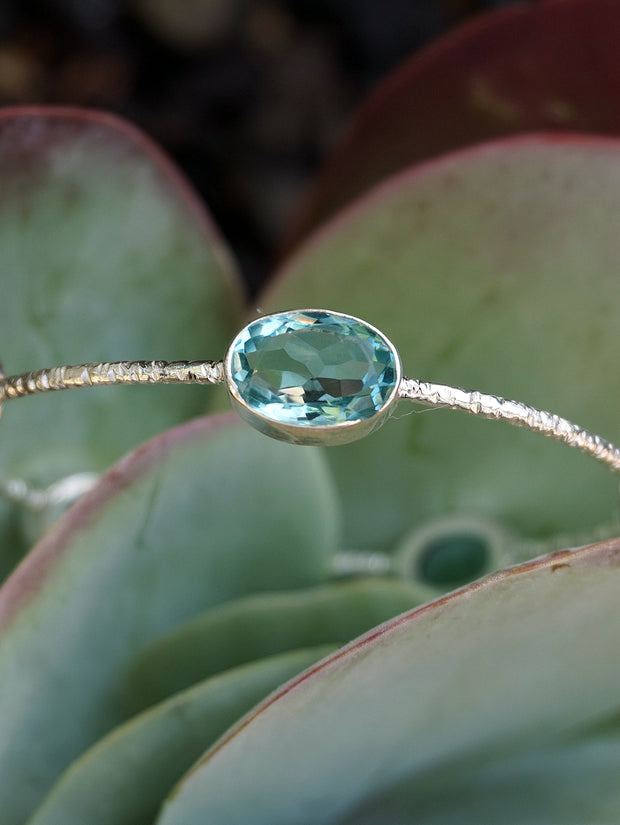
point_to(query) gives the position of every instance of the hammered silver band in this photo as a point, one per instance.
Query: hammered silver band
(212, 372)
(515, 413)
(112, 372)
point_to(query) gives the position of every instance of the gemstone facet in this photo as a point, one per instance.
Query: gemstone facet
(312, 376)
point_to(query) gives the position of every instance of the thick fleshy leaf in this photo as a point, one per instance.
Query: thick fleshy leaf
(202, 514)
(507, 666)
(529, 67)
(12, 542)
(106, 254)
(123, 779)
(572, 783)
(493, 269)
(263, 625)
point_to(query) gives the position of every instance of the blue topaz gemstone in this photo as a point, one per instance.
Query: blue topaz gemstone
(312, 376)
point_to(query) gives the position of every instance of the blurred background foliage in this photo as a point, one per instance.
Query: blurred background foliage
(246, 95)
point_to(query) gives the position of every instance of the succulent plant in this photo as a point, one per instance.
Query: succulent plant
(177, 648)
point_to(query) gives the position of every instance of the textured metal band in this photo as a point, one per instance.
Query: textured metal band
(212, 372)
(114, 372)
(514, 412)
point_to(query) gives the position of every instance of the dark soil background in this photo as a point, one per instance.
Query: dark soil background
(246, 95)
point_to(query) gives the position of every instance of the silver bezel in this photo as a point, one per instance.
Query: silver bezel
(327, 435)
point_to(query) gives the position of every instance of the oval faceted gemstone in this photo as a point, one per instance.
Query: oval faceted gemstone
(313, 368)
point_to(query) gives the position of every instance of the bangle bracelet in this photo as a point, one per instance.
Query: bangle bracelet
(312, 376)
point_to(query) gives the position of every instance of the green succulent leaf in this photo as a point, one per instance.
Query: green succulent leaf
(105, 255)
(123, 778)
(204, 513)
(571, 783)
(262, 625)
(493, 269)
(12, 540)
(523, 68)
(504, 669)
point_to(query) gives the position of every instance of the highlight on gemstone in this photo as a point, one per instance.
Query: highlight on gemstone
(312, 369)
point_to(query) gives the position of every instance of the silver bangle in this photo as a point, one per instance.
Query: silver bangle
(312, 376)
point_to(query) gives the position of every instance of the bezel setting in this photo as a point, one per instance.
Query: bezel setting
(311, 433)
